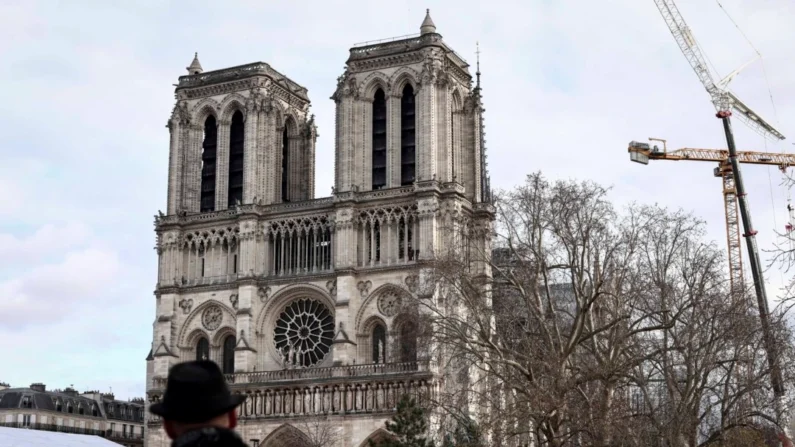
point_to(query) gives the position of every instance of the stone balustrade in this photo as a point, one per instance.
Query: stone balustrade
(339, 390)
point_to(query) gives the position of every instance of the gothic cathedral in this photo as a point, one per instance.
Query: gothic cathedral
(303, 302)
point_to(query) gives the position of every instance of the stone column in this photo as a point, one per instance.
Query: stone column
(222, 165)
(245, 354)
(174, 168)
(250, 154)
(426, 131)
(393, 140)
(164, 345)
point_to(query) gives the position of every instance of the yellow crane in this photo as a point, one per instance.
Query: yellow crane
(643, 152)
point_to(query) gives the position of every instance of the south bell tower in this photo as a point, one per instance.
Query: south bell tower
(306, 303)
(407, 113)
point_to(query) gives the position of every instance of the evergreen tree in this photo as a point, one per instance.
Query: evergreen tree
(466, 434)
(408, 426)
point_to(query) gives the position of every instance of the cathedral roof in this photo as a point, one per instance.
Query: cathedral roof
(427, 25)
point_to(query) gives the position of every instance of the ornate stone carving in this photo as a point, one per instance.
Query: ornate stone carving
(412, 281)
(264, 293)
(303, 333)
(186, 305)
(364, 287)
(234, 300)
(331, 286)
(211, 318)
(389, 304)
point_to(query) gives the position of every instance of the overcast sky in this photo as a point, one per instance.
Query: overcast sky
(87, 87)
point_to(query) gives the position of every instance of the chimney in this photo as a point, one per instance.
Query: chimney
(40, 387)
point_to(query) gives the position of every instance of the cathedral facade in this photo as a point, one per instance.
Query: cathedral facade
(304, 302)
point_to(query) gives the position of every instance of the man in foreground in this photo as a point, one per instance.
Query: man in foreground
(197, 408)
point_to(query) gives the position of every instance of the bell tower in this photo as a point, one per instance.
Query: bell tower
(241, 135)
(407, 113)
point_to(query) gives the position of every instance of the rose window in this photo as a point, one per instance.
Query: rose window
(304, 332)
(211, 318)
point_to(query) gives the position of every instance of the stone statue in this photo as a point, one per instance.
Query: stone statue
(291, 356)
(380, 351)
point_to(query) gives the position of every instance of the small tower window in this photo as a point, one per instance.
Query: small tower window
(379, 344)
(379, 140)
(203, 349)
(408, 141)
(229, 355)
(285, 165)
(236, 140)
(209, 147)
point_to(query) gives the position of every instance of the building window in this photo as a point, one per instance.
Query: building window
(80, 409)
(94, 410)
(69, 408)
(26, 420)
(124, 430)
(229, 355)
(209, 150)
(408, 342)
(58, 406)
(26, 402)
(236, 140)
(203, 349)
(285, 165)
(379, 140)
(303, 333)
(408, 141)
(379, 344)
(112, 428)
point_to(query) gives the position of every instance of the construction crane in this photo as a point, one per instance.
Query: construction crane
(643, 152)
(724, 102)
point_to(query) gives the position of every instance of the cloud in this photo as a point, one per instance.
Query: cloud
(53, 292)
(48, 239)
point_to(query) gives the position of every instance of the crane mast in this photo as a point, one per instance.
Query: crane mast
(724, 102)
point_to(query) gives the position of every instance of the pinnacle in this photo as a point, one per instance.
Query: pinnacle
(427, 26)
(195, 67)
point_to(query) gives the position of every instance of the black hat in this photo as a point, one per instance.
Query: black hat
(196, 392)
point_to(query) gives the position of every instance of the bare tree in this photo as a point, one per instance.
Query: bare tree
(315, 432)
(592, 327)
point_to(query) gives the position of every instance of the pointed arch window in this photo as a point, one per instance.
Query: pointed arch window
(379, 343)
(229, 355)
(203, 349)
(379, 140)
(285, 165)
(236, 140)
(408, 141)
(408, 342)
(209, 150)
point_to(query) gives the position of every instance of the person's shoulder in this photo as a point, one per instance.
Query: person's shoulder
(209, 437)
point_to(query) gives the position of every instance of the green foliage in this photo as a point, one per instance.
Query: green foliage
(408, 426)
(466, 434)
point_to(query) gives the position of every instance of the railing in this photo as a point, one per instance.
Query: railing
(73, 430)
(375, 369)
(393, 46)
(238, 72)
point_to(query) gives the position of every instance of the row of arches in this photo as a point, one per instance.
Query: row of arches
(237, 138)
(289, 436)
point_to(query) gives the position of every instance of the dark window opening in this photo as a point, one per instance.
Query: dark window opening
(379, 140)
(229, 355)
(285, 165)
(203, 349)
(452, 145)
(310, 252)
(236, 140)
(406, 239)
(372, 242)
(94, 411)
(69, 408)
(408, 342)
(202, 267)
(379, 344)
(81, 410)
(407, 137)
(209, 150)
(58, 407)
(234, 265)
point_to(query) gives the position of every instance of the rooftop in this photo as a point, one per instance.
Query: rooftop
(13, 437)
(200, 78)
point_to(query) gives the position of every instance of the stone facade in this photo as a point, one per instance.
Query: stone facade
(303, 301)
(90, 413)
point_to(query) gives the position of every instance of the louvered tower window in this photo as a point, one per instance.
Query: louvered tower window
(379, 140)
(236, 139)
(285, 165)
(408, 142)
(209, 147)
